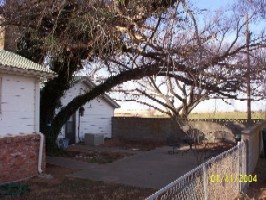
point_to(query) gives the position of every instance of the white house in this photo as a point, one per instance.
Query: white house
(19, 115)
(20, 93)
(97, 117)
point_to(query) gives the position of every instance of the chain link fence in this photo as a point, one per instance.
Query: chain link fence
(221, 177)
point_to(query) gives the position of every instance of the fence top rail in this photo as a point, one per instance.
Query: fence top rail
(201, 166)
(181, 119)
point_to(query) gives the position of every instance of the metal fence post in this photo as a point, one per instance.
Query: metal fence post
(244, 164)
(196, 183)
(240, 165)
(205, 182)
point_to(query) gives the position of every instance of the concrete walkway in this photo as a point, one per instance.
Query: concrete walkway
(149, 169)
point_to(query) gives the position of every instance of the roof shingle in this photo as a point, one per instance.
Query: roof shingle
(16, 61)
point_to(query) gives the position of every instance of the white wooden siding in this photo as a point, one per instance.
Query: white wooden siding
(18, 105)
(0, 93)
(37, 106)
(97, 116)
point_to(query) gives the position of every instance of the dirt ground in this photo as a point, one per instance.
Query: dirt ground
(110, 151)
(257, 190)
(57, 186)
(114, 149)
(143, 145)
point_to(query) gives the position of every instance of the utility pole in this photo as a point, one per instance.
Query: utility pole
(248, 69)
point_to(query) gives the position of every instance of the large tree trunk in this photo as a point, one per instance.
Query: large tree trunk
(50, 100)
(60, 119)
(51, 95)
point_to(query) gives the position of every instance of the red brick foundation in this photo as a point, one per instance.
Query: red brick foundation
(19, 157)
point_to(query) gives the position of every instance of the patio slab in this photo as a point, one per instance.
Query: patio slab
(149, 169)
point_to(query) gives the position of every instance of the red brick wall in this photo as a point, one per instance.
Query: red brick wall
(19, 157)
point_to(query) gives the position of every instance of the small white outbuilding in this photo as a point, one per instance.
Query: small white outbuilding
(20, 93)
(97, 114)
(21, 144)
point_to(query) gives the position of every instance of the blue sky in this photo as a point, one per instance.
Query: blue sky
(219, 105)
(210, 4)
(211, 105)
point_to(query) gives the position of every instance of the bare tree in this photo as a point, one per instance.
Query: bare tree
(251, 10)
(166, 95)
(197, 48)
(132, 40)
(69, 32)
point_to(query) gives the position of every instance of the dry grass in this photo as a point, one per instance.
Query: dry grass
(203, 152)
(100, 157)
(127, 144)
(227, 115)
(257, 190)
(211, 115)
